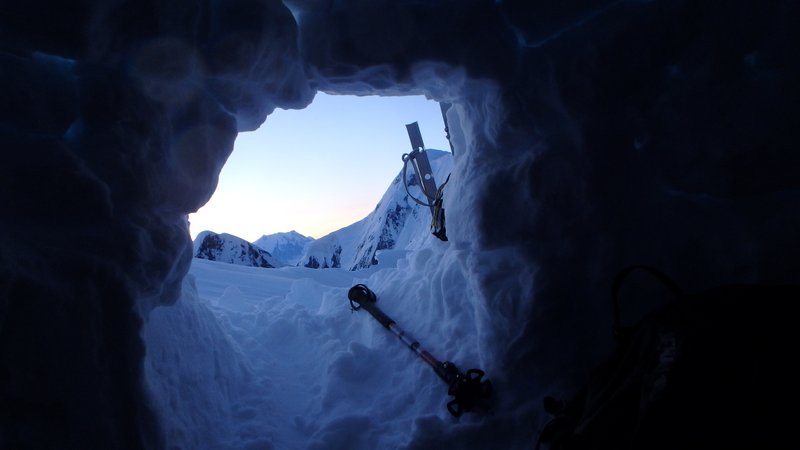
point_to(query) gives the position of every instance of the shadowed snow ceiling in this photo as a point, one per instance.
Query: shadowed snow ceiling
(587, 138)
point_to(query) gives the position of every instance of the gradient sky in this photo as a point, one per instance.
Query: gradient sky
(318, 169)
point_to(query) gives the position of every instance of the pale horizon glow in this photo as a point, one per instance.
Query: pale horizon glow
(318, 169)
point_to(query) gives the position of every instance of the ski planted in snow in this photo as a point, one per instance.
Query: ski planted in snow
(468, 389)
(422, 166)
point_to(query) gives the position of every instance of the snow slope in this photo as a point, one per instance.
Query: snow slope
(286, 247)
(397, 222)
(276, 359)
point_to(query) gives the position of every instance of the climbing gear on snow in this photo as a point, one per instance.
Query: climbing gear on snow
(437, 221)
(469, 390)
(419, 159)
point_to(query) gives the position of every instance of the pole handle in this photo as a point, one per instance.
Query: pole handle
(366, 299)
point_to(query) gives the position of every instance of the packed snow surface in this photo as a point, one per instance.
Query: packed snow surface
(274, 358)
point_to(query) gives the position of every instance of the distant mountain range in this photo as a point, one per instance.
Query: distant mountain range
(396, 223)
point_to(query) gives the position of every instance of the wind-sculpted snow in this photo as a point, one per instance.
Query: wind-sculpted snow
(587, 137)
(192, 362)
(116, 120)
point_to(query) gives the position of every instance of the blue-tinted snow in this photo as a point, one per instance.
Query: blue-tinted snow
(284, 363)
(274, 358)
(656, 132)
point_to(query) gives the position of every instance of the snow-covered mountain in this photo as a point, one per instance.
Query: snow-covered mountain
(397, 222)
(231, 249)
(286, 247)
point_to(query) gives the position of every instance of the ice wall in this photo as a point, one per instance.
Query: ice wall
(588, 138)
(116, 119)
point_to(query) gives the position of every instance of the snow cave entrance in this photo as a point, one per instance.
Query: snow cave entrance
(276, 358)
(318, 169)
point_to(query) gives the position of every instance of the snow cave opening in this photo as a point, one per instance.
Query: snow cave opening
(587, 139)
(280, 347)
(318, 169)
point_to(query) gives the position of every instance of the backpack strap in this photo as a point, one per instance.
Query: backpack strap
(620, 278)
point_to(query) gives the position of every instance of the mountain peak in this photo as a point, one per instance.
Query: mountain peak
(287, 247)
(227, 248)
(397, 222)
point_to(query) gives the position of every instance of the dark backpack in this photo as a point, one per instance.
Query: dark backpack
(708, 370)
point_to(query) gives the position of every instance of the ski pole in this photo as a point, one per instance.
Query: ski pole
(468, 389)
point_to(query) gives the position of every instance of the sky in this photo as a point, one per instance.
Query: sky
(318, 169)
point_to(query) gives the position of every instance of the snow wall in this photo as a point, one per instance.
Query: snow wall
(587, 138)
